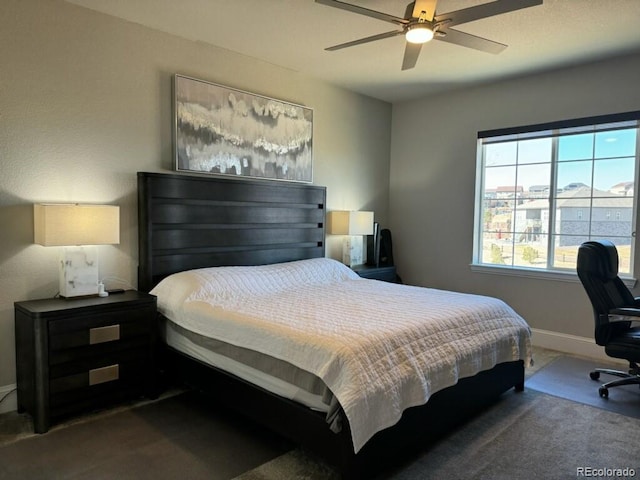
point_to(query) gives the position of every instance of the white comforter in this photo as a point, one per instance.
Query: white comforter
(379, 347)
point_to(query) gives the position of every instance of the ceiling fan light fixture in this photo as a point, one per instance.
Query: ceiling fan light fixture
(419, 33)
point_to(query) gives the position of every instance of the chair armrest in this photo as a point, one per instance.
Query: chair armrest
(629, 311)
(625, 314)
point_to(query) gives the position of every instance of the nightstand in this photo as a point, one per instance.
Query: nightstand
(80, 354)
(386, 274)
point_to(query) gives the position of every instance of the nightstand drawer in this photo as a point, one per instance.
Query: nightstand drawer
(97, 329)
(111, 370)
(76, 393)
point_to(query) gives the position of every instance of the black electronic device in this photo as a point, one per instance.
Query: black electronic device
(386, 248)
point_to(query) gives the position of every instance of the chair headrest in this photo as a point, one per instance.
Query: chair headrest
(598, 258)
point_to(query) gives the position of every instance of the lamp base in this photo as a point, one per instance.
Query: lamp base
(78, 273)
(352, 250)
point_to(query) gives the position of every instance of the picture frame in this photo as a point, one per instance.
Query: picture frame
(220, 130)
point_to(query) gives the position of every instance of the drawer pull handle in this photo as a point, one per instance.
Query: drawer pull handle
(104, 374)
(104, 334)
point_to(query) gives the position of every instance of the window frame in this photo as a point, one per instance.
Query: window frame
(547, 130)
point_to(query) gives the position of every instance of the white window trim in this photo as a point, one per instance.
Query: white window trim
(553, 275)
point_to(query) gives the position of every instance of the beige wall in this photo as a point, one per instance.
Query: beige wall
(85, 103)
(433, 169)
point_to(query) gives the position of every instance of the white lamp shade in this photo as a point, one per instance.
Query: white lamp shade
(72, 224)
(350, 223)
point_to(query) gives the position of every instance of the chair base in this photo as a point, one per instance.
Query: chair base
(632, 377)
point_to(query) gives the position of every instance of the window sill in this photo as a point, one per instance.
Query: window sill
(557, 276)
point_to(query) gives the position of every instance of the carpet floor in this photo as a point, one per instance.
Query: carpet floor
(525, 436)
(531, 436)
(183, 436)
(528, 435)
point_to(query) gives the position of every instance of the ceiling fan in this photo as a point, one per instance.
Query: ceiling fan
(421, 23)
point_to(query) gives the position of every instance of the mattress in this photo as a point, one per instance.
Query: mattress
(380, 348)
(272, 374)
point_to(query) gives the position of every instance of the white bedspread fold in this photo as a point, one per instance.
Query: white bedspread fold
(381, 348)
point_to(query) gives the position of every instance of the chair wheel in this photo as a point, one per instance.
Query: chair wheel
(603, 392)
(594, 375)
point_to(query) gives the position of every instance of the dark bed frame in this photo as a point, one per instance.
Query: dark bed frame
(188, 222)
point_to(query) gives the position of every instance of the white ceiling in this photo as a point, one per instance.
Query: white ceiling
(294, 33)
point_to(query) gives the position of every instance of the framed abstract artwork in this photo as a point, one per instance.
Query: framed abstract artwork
(223, 131)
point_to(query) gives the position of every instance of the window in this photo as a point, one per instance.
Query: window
(545, 189)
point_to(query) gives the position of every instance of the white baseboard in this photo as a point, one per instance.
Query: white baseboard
(572, 344)
(11, 402)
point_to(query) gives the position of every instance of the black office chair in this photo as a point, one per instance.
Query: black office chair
(614, 309)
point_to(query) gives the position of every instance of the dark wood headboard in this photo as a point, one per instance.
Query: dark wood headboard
(188, 222)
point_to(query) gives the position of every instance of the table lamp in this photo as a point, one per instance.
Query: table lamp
(354, 225)
(78, 229)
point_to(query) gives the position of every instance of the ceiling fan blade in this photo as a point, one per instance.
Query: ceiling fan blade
(427, 6)
(411, 53)
(485, 10)
(471, 41)
(372, 38)
(363, 11)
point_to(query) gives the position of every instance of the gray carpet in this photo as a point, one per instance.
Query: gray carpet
(525, 436)
(568, 377)
(532, 435)
(182, 437)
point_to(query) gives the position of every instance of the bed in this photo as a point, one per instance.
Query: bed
(299, 342)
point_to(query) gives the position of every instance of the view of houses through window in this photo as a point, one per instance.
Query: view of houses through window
(543, 193)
